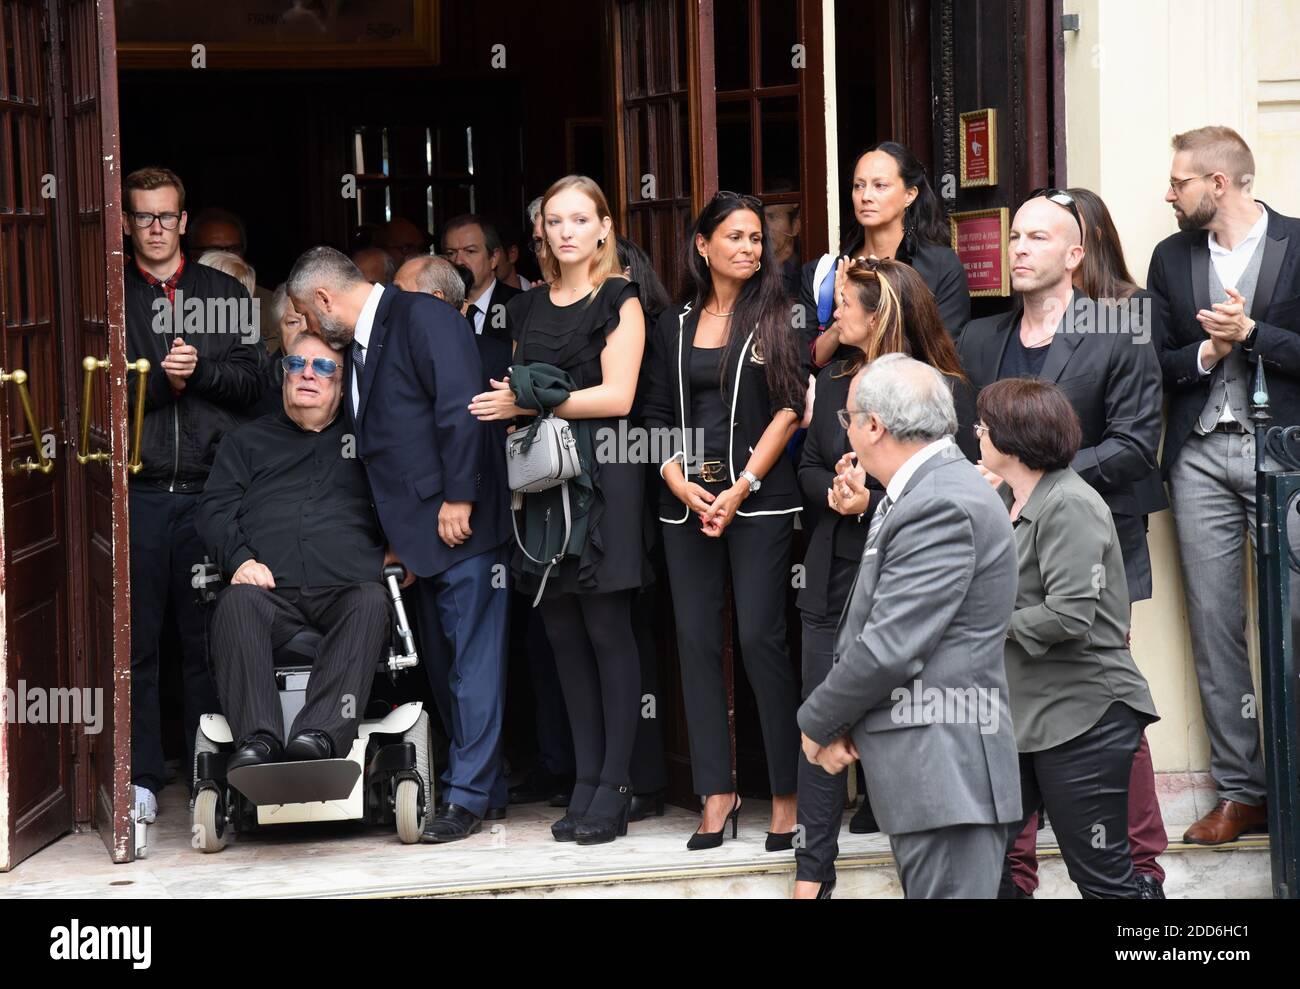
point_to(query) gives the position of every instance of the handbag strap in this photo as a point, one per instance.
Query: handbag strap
(564, 549)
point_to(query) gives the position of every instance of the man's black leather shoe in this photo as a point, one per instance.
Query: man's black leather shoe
(309, 744)
(646, 805)
(256, 750)
(863, 821)
(1151, 887)
(495, 814)
(452, 823)
(539, 785)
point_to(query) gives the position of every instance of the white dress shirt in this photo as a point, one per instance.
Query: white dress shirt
(365, 323)
(482, 304)
(1230, 265)
(894, 489)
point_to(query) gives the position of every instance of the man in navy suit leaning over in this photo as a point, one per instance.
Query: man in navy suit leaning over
(438, 478)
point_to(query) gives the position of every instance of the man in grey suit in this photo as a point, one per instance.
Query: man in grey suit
(918, 689)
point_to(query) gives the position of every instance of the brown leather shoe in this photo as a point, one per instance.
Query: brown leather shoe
(1226, 822)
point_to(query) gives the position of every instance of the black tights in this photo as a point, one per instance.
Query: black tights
(600, 675)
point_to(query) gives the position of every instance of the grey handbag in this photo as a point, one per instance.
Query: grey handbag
(550, 458)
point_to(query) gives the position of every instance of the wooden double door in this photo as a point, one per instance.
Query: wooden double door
(64, 620)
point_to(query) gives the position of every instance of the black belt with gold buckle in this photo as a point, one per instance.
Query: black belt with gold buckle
(711, 471)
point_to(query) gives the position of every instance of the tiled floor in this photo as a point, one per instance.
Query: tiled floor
(517, 857)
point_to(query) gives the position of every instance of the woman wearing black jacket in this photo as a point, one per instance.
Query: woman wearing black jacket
(885, 307)
(726, 376)
(897, 216)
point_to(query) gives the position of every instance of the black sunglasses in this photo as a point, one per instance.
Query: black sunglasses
(294, 364)
(753, 202)
(1062, 199)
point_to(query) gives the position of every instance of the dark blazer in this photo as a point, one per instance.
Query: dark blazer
(502, 294)
(1112, 380)
(824, 443)
(1179, 281)
(416, 437)
(668, 400)
(938, 266)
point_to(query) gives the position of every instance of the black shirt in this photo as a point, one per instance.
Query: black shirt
(709, 412)
(1019, 361)
(294, 500)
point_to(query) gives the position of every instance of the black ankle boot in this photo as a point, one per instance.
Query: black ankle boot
(583, 794)
(597, 829)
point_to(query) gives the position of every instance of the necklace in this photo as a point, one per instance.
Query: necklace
(720, 315)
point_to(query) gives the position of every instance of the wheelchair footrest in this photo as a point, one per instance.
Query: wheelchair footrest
(296, 782)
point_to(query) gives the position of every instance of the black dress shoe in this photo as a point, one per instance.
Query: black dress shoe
(564, 828)
(452, 823)
(495, 814)
(863, 821)
(255, 750)
(539, 785)
(1151, 887)
(562, 797)
(309, 744)
(646, 805)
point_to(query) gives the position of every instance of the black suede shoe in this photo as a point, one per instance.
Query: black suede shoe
(863, 821)
(255, 750)
(599, 828)
(309, 744)
(1151, 887)
(452, 823)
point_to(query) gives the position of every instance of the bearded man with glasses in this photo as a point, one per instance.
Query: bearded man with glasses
(196, 327)
(287, 515)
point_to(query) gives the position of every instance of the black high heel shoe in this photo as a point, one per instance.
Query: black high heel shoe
(597, 829)
(566, 827)
(779, 841)
(713, 839)
(825, 890)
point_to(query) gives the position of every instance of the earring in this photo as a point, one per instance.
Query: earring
(758, 267)
(601, 242)
(706, 260)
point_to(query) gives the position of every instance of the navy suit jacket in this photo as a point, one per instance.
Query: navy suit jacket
(416, 437)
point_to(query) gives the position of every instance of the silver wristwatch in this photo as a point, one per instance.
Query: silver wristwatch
(754, 482)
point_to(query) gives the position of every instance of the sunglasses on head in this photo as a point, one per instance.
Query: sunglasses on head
(752, 202)
(323, 366)
(1062, 199)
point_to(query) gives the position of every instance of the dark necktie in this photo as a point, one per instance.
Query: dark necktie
(472, 315)
(358, 357)
(878, 519)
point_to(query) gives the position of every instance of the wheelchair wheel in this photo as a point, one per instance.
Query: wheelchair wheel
(412, 802)
(201, 744)
(209, 822)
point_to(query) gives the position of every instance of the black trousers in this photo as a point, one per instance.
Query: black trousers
(554, 737)
(821, 795)
(600, 674)
(251, 622)
(757, 551)
(1083, 786)
(164, 548)
(648, 770)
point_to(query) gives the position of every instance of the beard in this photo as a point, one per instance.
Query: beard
(335, 332)
(1199, 218)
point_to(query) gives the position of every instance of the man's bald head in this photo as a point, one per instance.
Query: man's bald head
(401, 238)
(376, 265)
(432, 276)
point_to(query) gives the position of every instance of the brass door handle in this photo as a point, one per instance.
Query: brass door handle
(42, 463)
(90, 365)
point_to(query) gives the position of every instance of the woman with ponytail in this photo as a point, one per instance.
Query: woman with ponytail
(896, 215)
(727, 381)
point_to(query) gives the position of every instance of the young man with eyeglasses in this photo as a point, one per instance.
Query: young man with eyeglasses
(191, 323)
(287, 515)
(1228, 290)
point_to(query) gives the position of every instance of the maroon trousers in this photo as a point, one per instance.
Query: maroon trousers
(1146, 828)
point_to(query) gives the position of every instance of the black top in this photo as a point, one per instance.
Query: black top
(294, 500)
(708, 408)
(571, 338)
(1019, 361)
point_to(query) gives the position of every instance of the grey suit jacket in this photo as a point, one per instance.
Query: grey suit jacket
(918, 675)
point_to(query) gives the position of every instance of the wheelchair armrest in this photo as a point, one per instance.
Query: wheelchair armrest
(206, 581)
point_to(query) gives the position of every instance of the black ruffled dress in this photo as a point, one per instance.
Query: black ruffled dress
(571, 338)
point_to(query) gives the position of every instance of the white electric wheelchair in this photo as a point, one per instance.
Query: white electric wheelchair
(385, 779)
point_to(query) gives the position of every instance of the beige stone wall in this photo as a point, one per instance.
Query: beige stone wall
(1138, 72)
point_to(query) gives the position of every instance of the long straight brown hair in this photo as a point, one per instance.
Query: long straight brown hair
(907, 317)
(1104, 274)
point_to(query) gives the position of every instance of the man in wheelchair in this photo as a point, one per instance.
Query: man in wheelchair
(287, 515)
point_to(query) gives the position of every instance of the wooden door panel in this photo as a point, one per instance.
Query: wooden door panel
(36, 738)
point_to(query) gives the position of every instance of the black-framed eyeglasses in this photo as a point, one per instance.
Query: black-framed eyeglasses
(1064, 200)
(296, 364)
(144, 221)
(845, 416)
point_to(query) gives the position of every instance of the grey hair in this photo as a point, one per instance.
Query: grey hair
(233, 265)
(322, 266)
(534, 208)
(438, 275)
(279, 303)
(911, 399)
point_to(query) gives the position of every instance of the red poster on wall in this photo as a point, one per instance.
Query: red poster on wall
(980, 240)
(979, 148)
